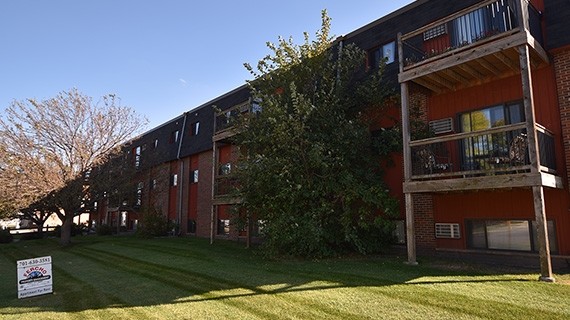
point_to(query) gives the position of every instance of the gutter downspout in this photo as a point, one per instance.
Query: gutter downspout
(181, 172)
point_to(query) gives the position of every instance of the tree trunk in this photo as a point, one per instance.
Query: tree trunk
(40, 225)
(66, 230)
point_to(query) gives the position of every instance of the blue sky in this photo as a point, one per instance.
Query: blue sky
(161, 57)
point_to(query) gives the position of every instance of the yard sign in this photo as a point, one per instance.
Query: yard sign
(34, 277)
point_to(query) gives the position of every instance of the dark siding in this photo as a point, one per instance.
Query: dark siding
(166, 149)
(556, 15)
(381, 32)
(205, 114)
(203, 141)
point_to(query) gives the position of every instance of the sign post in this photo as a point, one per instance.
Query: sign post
(34, 277)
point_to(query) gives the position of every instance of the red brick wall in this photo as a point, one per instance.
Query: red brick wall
(423, 203)
(424, 222)
(562, 72)
(204, 194)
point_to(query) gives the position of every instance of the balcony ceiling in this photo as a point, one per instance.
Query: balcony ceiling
(473, 65)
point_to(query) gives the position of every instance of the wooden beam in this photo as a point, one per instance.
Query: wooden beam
(472, 72)
(465, 135)
(440, 80)
(542, 235)
(533, 149)
(475, 183)
(485, 64)
(455, 76)
(500, 181)
(213, 213)
(221, 200)
(507, 61)
(426, 84)
(222, 135)
(410, 229)
(538, 49)
(406, 137)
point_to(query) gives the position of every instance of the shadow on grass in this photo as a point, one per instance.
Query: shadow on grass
(103, 273)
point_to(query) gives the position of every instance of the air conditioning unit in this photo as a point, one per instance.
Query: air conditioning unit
(447, 230)
(441, 126)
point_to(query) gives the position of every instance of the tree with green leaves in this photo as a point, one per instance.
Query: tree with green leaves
(49, 148)
(309, 168)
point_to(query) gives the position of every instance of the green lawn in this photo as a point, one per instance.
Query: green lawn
(183, 278)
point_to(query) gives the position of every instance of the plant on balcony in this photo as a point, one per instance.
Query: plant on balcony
(310, 171)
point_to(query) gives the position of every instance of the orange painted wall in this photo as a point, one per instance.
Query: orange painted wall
(504, 204)
(173, 193)
(393, 167)
(193, 188)
(225, 154)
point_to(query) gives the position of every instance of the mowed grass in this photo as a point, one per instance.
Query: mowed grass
(187, 278)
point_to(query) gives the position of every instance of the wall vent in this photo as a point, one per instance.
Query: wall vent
(447, 230)
(441, 126)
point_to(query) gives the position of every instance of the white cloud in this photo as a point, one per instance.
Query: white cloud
(183, 82)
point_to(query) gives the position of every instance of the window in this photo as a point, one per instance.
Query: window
(194, 176)
(482, 23)
(400, 231)
(174, 136)
(155, 143)
(191, 226)
(137, 153)
(174, 180)
(477, 150)
(516, 235)
(195, 128)
(223, 227)
(386, 52)
(153, 184)
(225, 169)
(138, 201)
(256, 107)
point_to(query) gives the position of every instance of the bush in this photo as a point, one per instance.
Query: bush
(153, 224)
(104, 230)
(31, 236)
(5, 236)
(75, 230)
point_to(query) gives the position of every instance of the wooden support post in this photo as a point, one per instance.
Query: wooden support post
(533, 149)
(214, 207)
(542, 235)
(410, 232)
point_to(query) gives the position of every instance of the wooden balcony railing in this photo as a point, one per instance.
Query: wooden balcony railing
(501, 150)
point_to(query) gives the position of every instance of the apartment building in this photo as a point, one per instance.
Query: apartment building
(490, 78)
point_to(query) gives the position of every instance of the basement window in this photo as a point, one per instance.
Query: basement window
(515, 235)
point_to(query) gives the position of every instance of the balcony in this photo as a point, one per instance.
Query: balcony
(485, 159)
(473, 46)
(225, 120)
